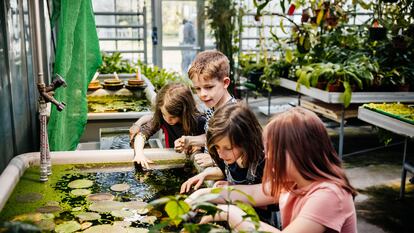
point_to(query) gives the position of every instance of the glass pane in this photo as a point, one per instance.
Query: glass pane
(179, 23)
(172, 60)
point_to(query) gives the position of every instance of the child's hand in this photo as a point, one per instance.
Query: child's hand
(182, 144)
(141, 159)
(203, 160)
(197, 180)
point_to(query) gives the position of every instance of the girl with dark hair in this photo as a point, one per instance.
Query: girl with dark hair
(176, 114)
(234, 142)
(303, 175)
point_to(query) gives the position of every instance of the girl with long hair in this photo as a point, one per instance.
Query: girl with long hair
(302, 174)
(176, 114)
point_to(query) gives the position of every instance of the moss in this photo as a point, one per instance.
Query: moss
(384, 209)
(29, 183)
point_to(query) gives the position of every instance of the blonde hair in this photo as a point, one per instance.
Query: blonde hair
(210, 64)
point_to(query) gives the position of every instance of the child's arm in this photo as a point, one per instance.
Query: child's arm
(210, 173)
(139, 156)
(255, 191)
(185, 142)
(135, 128)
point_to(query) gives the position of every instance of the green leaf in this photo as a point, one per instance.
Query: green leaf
(281, 26)
(289, 56)
(216, 190)
(347, 95)
(175, 209)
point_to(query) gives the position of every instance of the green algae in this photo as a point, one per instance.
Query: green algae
(146, 185)
(29, 183)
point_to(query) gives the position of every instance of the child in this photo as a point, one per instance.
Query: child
(234, 140)
(303, 174)
(176, 114)
(209, 74)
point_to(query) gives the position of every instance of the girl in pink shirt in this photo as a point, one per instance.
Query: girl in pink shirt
(302, 174)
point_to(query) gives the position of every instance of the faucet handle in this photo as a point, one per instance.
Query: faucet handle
(59, 81)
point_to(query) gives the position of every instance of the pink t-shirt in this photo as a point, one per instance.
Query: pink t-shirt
(324, 203)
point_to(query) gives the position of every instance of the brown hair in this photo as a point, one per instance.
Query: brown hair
(178, 101)
(210, 64)
(239, 123)
(300, 134)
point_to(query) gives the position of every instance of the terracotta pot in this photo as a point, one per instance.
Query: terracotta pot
(335, 87)
(321, 85)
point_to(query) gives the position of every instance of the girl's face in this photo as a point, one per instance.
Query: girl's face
(230, 154)
(170, 119)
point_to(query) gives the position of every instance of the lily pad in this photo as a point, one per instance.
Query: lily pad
(81, 183)
(80, 192)
(120, 187)
(67, 227)
(86, 225)
(49, 209)
(29, 197)
(52, 203)
(76, 209)
(136, 230)
(122, 223)
(122, 213)
(100, 197)
(105, 228)
(46, 225)
(87, 216)
(142, 211)
(135, 205)
(29, 217)
(149, 219)
(106, 206)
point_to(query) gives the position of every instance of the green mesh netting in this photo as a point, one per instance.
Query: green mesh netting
(77, 59)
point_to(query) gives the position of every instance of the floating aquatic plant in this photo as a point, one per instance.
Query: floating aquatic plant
(120, 187)
(80, 192)
(81, 183)
(100, 197)
(67, 227)
(29, 197)
(87, 216)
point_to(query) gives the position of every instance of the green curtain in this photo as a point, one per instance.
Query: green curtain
(77, 59)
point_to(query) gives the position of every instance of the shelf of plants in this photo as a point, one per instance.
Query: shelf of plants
(357, 97)
(386, 122)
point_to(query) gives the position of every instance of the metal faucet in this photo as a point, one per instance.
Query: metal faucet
(46, 95)
(47, 92)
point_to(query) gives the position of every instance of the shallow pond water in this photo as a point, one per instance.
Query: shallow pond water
(83, 196)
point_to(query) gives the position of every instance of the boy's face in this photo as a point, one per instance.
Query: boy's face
(211, 91)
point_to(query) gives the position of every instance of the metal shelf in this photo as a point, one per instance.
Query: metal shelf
(386, 122)
(357, 97)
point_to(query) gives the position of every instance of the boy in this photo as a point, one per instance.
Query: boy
(209, 74)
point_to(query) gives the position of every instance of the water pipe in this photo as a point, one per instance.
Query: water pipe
(46, 95)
